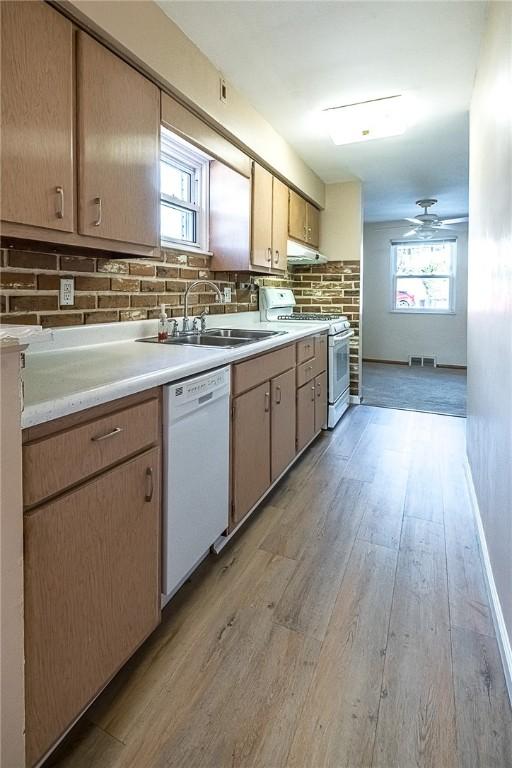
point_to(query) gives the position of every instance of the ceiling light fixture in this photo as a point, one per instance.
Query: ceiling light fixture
(367, 120)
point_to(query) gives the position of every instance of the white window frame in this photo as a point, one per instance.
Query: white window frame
(181, 154)
(451, 278)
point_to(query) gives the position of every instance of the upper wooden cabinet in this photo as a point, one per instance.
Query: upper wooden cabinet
(261, 241)
(37, 185)
(297, 217)
(279, 224)
(255, 213)
(118, 147)
(269, 220)
(304, 220)
(313, 225)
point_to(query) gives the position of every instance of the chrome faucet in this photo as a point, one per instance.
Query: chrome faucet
(186, 319)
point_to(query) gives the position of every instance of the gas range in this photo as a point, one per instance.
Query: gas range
(277, 304)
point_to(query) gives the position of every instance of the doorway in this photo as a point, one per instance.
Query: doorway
(414, 320)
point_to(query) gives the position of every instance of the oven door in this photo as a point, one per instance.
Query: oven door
(339, 364)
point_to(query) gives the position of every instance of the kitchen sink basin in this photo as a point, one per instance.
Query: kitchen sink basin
(217, 337)
(200, 340)
(240, 333)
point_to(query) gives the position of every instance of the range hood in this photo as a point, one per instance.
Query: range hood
(302, 254)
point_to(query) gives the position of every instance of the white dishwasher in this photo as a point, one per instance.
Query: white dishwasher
(196, 473)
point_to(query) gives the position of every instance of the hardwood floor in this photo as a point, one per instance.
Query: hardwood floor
(347, 626)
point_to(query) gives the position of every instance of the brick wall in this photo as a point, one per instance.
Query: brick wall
(333, 287)
(109, 290)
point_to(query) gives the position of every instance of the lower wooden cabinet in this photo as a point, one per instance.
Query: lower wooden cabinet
(321, 402)
(250, 449)
(306, 400)
(282, 422)
(92, 591)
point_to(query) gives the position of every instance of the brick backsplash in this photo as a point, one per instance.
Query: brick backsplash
(110, 290)
(333, 287)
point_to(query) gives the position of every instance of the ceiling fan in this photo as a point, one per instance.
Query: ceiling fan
(428, 224)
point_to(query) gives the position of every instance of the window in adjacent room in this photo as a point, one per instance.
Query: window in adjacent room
(423, 276)
(184, 176)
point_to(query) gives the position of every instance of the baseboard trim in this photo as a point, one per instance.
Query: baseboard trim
(354, 400)
(404, 362)
(387, 362)
(500, 628)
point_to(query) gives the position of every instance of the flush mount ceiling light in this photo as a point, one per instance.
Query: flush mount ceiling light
(367, 120)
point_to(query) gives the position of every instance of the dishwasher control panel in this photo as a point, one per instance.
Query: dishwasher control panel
(197, 387)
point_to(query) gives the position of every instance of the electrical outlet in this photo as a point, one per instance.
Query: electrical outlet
(67, 291)
(227, 295)
(253, 298)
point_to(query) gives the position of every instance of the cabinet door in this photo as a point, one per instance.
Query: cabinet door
(320, 402)
(92, 592)
(37, 116)
(118, 148)
(261, 217)
(320, 353)
(313, 225)
(230, 218)
(279, 224)
(297, 226)
(305, 414)
(251, 449)
(283, 422)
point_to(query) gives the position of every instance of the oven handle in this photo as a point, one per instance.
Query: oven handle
(338, 337)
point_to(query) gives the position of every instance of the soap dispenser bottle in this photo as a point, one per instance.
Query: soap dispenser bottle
(163, 329)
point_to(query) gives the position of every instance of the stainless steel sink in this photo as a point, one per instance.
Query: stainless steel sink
(240, 333)
(217, 337)
(200, 340)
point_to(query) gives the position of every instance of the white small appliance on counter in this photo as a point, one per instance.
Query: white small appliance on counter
(277, 304)
(196, 473)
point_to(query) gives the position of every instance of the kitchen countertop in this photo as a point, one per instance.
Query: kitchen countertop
(84, 367)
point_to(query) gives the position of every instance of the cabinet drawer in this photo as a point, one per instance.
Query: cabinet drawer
(54, 463)
(306, 371)
(305, 349)
(252, 372)
(320, 354)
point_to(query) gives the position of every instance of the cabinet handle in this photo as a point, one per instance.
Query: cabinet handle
(313, 394)
(97, 202)
(99, 438)
(149, 484)
(277, 256)
(267, 402)
(305, 232)
(278, 395)
(269, 254)
(318, 389)
(60, 205)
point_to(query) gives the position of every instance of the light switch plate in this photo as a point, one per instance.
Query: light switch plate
(67, 291)
(227, 295)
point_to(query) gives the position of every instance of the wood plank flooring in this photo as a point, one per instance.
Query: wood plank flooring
(347, 626)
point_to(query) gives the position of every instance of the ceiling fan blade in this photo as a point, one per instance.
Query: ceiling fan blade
(460, 220)
(413, 221)
(408, 234)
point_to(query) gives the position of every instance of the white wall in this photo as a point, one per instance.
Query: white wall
(394, 336)
(489, 428)
(146, 34)
(341, 223)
